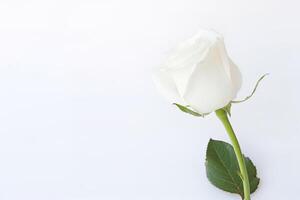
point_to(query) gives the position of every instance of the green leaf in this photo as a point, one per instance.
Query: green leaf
(187, 110)
(222, 168)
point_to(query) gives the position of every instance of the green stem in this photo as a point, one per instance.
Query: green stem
(222, 115)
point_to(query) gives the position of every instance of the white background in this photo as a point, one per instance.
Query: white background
(80, 118)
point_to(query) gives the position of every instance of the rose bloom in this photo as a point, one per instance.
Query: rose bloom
(200, 74)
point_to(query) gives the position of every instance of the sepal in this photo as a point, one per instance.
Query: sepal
(253, 91)
(188, 110)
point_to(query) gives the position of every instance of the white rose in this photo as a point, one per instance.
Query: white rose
(199, 73)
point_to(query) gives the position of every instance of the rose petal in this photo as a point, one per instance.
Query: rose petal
(166, 86)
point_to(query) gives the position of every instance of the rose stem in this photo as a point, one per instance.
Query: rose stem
(222, 115)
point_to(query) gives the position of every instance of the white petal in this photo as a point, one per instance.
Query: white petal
(199, 73)
(166, 86)
(187, 55)
(231, 69)
(210, 87)
(236, 77)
